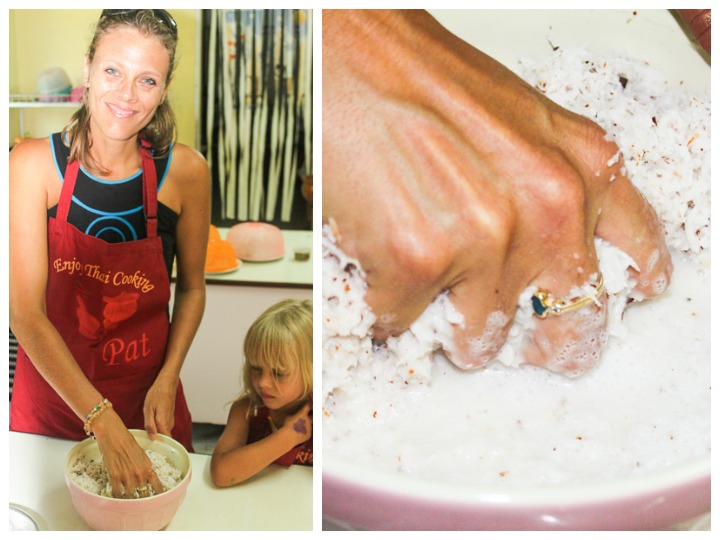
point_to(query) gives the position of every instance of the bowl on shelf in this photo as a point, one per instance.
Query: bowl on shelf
(256, 241)
(146, 514)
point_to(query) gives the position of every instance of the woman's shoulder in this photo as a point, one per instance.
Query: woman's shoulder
(31, 154)
(184, 156)
(188, 169)
(31, 148)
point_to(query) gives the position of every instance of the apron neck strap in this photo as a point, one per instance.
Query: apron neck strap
(149, 189)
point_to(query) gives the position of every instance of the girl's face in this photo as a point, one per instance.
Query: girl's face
(126, 82)
(277, 389)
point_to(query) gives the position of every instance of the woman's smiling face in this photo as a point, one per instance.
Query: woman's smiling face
(126, 82)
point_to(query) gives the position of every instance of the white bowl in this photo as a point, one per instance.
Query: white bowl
(147, 514)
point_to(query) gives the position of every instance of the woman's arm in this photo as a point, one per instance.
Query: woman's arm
(31, 169)
(234, 460)
(31, 181)
(189, 195)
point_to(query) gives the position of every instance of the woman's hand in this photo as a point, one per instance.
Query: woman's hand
(159, 408)
(128, 466)
(300, 424)
(444, 171)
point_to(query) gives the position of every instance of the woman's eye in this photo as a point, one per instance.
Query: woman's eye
(279, 374)
(255, 369)
(111, 71)
(149, 82)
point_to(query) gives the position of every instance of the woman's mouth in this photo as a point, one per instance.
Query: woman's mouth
(120, 112)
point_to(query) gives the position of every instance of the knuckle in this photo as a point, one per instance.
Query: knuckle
(417, 253)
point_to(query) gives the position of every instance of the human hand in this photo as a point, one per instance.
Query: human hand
(444, 171)
(159, 408)
(128, 466)
(300, 424)
(698, 22)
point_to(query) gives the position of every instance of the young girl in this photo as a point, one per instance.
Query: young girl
(272, 421)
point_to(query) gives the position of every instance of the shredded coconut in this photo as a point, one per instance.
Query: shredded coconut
(385, 392)
(92, 476)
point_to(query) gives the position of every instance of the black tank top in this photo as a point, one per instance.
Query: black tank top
(113, 211)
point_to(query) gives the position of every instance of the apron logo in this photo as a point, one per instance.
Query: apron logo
(116, 310)
(93, 271)
(118, 349)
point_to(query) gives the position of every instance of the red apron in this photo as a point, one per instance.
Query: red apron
(109, 302)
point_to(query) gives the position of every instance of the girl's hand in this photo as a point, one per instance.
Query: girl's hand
(127, 464)
(300, 424)
(159, 408)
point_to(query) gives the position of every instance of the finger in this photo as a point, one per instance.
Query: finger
(488, 304)
(116, 488)
(570, 343)
(151, 426)
(397, 298)
(628, 222)
(143, 491)
(154, 482)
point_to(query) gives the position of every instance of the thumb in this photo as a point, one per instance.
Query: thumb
(151, 426)
(629, 222)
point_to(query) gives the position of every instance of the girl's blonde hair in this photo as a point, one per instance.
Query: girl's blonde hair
(281, 339)
(160, 131)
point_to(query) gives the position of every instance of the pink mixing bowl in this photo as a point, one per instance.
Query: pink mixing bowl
(356, 497)
(148, 514)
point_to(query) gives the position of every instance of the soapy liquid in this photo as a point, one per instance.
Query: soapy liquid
(646, 405)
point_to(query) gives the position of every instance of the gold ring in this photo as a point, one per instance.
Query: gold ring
(544, 303)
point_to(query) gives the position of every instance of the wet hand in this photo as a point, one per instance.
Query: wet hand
(444, 171)
(128, 466)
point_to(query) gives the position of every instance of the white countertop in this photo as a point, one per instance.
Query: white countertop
(282, 272)
(276, 499)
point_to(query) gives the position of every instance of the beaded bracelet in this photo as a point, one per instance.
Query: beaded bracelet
(97, 411)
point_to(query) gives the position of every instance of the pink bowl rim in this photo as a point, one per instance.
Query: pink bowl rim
(338, 472)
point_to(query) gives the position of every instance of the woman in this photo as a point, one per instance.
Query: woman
(98, 215)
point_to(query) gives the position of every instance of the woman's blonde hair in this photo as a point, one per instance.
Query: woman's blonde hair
(160, 131)
(281, 339)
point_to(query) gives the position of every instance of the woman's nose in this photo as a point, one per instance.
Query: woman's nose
(126, 90)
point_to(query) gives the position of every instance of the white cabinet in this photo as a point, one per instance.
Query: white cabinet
(211, 374)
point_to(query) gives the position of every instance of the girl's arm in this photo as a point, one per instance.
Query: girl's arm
(234, 460)
(189, 196)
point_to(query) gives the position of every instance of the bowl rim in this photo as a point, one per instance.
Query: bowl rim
(141, 436)
(339, 470)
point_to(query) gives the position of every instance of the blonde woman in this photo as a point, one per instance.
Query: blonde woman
(98, 215)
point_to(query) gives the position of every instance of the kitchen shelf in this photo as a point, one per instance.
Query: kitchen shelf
(32, 101)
